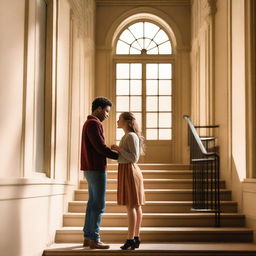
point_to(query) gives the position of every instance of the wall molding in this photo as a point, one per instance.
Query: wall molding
(83, 12)
(17, 189)
(144, 13)
(208, 8)
(250, 55)
(203, 32)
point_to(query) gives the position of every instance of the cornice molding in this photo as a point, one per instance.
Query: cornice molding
(82, 12)
(208, 8)
(142, 2)
(77, 7)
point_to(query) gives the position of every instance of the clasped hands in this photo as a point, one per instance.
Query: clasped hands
(115, 147)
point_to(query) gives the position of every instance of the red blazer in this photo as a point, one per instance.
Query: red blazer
(94, 150)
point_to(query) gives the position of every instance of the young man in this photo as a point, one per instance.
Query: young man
(93, 162)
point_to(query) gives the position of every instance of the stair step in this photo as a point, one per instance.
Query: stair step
(155, 184)
(163, 234)
(161, 174)
(155, 166)
(157, 249)
(160, 220)
(152, 207)
(154, 194)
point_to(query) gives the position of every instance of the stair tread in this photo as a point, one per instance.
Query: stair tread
(71, 214)
(157, 247)
(158, 202)
(159, 171)
(165, 229)
(187, 190)
(152, 164)
(155, 180)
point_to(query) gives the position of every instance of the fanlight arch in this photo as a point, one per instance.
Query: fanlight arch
(143, 37)
(144, 14)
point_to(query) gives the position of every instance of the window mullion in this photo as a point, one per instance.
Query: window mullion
(158, 105)
(144, 99)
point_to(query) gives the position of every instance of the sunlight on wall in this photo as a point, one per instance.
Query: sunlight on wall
(238, 88)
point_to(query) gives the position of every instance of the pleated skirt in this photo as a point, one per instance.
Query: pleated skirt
(130, 187)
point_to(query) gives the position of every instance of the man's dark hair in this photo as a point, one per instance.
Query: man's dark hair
(101, 102)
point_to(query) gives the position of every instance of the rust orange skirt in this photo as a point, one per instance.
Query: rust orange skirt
(130, 188)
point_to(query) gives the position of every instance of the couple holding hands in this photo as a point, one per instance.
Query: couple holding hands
(130, 189)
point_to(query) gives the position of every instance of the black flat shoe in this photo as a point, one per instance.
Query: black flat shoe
(129, 244)
(137, 241)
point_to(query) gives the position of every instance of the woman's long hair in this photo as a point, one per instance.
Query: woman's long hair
(134, 127)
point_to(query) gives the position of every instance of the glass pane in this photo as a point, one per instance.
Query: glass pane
(151, 45)
(136, 71)
(161, 37)
(165, 120)
(165, 48)
(152, 87)
(152, 71)
(152, 104)
(165, 71)
(151, 120)
(147, 43)
(137, 29)
(122, 48)
(153, 51)
(135, 87)
(165, 134)
(136, 45)
(150, 29)
(165, 103)
(127, 36)
(135, 103)
(141, 43)
(122, 87)
(122, 103)
(138, 119)
(119, 133)
(122, 71)
(117, 116)
(134, 51)
(151, 134)
(165, 87)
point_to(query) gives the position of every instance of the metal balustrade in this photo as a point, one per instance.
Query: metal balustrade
(205, 162)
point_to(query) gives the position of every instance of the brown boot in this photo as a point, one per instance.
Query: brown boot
(86, 243)
(98, 245)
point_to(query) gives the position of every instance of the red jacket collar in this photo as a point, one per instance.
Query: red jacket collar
(93, 117)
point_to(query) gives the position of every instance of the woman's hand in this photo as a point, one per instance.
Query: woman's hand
(115, 147)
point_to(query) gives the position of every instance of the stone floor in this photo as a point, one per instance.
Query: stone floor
(240, 249)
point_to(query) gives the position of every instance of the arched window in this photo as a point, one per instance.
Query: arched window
(144, 78)
(143, 38)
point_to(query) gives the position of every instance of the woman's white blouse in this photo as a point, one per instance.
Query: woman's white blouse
(130, 148)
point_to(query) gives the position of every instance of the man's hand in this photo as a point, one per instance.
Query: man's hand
(115, 147)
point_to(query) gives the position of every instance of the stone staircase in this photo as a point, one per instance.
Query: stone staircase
(167, 217)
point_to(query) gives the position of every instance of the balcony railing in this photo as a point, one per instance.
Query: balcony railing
(205, 161)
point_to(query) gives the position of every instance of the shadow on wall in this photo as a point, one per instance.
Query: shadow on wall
(10, 225)
(236, 186)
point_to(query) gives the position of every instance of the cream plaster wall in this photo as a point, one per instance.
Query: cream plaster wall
(31, 203)
(238, 86)
(11, 86)
(109, 17)
(62, 90)
(230, 71)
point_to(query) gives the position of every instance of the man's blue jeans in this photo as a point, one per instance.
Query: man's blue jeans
(96, 203)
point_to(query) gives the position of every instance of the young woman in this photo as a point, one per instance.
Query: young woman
(130, 189)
